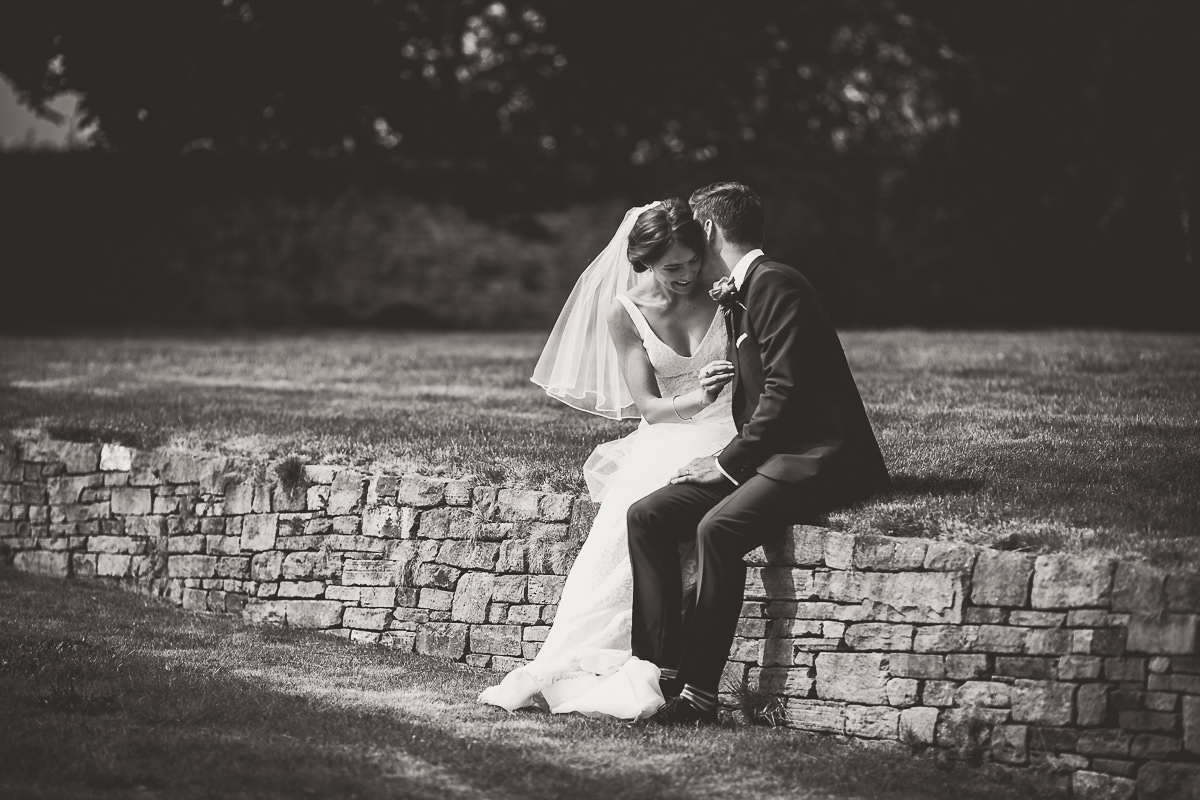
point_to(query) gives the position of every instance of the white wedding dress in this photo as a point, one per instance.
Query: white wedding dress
(585, 664)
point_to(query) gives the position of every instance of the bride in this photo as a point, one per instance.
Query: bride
(639, 337)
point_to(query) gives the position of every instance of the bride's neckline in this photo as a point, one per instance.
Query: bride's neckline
(657, 338)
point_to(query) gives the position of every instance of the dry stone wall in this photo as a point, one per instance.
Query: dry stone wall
(1086, 666)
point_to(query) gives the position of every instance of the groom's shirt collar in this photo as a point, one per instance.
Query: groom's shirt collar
(743, 265)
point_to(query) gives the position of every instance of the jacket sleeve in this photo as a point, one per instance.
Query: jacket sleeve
(774, 305)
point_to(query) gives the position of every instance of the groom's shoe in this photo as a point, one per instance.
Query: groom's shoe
(681, 711)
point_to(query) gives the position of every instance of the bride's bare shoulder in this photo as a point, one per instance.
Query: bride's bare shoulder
(619, 321)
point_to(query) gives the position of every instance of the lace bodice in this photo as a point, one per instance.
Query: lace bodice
(677, 374)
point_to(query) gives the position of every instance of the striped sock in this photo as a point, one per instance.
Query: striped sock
(705, 701)
(667, 674)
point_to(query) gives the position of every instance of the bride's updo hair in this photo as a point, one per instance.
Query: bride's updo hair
(658, 228)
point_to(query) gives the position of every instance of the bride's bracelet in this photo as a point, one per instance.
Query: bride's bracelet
(675, 397)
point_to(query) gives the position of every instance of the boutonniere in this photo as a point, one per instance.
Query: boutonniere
(726, 294)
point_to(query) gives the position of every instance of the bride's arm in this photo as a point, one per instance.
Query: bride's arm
(639, 376)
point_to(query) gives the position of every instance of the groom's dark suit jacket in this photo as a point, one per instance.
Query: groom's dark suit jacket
(799, 415)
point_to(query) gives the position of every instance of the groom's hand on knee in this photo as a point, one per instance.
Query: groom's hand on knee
(699, 470)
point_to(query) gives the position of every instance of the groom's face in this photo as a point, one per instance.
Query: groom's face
(676, 269)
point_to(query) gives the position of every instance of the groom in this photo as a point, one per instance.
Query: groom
(804, 445)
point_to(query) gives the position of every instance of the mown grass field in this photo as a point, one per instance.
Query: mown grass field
(1069, 440)
(109, 694)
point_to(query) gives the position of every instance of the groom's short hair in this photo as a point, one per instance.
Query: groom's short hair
(734, 207)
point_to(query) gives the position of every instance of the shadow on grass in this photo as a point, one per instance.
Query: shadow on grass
(935, 485)
(103, 691)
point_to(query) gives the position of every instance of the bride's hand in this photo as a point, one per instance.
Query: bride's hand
(713, 378)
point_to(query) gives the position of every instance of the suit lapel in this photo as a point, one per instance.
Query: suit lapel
(741, 327)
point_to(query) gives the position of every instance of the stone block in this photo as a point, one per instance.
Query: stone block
(1077, 668)
(175, 544)
(852, 677)
(912, 665)
(903, 692)
(1043, 702)
(69, 488)
(347, 493)
(371, 572)
(918, 725)
(1037, 619)
(266, 566)
(800, 546)
(1148, 746)
(420, 491)
(259, 532)
(131, 500)
(1072, 581)
(1183, 592)
(304, 589)
(1125, 669)
(872, 722)
(1191, 724)
(1138, 720)
(879, 636)
(950, 557)
(306, 564)
(1087, 785)
(501, 640)
(1010, 744)
(383, 522)
(313, 614)
(983, 693)
(56, 564)
(115, 458)
(371, 619)
(555, 507)
(1166, 781)
(195, 600)
(1101, 641)
(1139, 588)
(375, 596)
(83, 565)
(535, 633)
(510, 588)
(945, 638)
(436, 599)
(1115, 766)
(1170, 634)
(1105, 742)
(966, 666)
(1002, 639)
(448, 523)
(1047, 641)
(817, 715)
(347, 594)
(471, 597)
(1002, 578)
(233, 567)
(920, 597)
(523, 615)
(545, 589)
(469, 555)
(514, 505)
(969, 728)
(787, 681)
(119, 544)
(192, 566)
(437, 576)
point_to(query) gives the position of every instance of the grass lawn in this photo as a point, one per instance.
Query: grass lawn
(105, 693)
(1046, 440)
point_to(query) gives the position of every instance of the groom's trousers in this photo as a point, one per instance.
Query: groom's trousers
(727, 522)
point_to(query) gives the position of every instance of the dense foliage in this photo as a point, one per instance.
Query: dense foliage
(932, 160)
